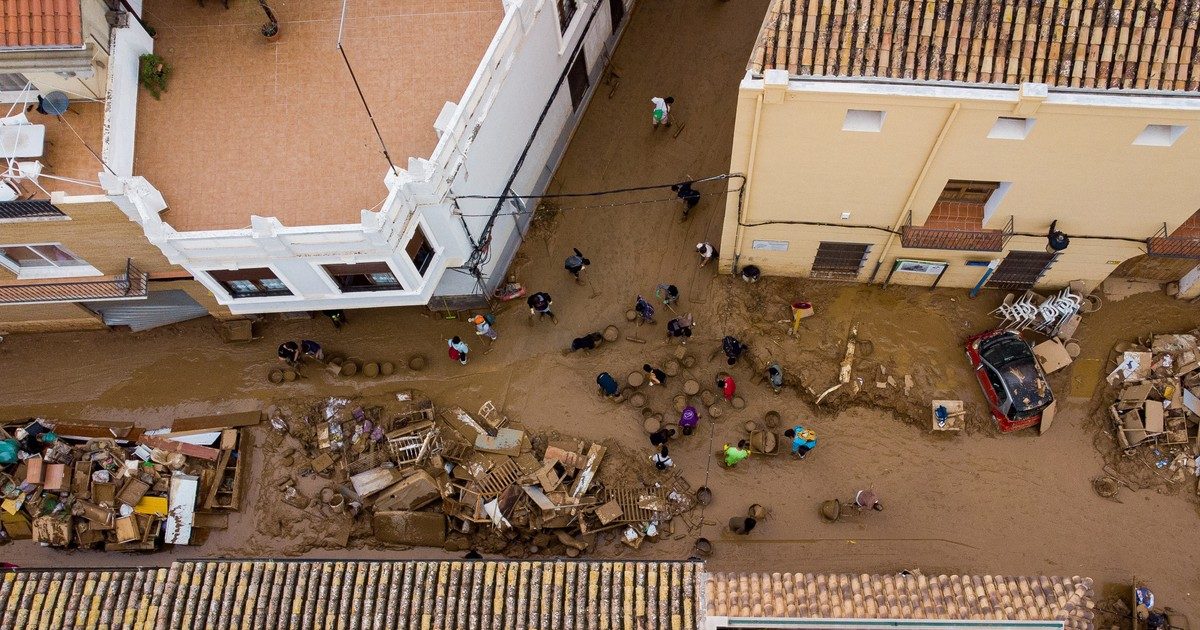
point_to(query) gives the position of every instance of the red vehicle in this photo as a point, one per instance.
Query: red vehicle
(1013, 383)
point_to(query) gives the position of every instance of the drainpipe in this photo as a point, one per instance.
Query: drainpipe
(775, 84)
(912, 194)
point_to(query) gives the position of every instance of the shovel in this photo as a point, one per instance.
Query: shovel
(635, 338)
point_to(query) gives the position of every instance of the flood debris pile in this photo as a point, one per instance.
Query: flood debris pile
(405, 472)
(1156, 407)
(117, 487)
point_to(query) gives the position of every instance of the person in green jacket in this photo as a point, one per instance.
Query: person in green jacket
(735, 454)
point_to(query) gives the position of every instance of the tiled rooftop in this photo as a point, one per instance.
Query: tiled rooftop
(40, 23)
(277, 129)
(962, 597)
(1070, 43)
(306, 594)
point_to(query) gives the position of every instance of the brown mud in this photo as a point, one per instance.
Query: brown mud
(977, 502)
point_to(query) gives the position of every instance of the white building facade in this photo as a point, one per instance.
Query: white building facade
(426, 244)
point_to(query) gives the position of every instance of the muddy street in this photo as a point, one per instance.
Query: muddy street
(976, 502)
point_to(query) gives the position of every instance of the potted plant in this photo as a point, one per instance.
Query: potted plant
(270, 30)
(153, 73)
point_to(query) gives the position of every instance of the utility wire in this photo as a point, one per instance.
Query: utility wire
(595, 206)
(361, 97)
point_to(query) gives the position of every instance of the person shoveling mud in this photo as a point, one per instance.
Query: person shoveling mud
(484, 328)
(575, 264)
(688, 195)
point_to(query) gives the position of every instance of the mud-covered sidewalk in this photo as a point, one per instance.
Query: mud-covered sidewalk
(972, 503)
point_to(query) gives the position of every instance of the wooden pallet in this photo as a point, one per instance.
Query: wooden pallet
(629, 498)
(226, 490)
(498, 479)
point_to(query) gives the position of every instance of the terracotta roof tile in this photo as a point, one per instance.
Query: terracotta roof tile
(39, 23)
(832, 596)
(1118, 44)
(491, 594)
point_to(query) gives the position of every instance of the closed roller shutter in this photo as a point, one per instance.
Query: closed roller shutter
(160, 308)
(839, 261)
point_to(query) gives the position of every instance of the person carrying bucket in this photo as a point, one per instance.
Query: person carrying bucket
(803, 440)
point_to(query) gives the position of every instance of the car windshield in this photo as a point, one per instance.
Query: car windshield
(1001, 351)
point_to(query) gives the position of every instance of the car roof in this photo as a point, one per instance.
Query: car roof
(1010, 356)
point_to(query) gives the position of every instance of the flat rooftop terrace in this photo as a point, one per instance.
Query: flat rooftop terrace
(251, 127)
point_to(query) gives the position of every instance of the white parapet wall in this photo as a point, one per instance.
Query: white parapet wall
(481, 139)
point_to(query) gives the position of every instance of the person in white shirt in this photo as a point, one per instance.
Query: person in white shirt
(707, 252)
(661, 459)
(661, 115)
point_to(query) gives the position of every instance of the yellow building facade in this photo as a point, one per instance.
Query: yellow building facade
(68, 263)
(864, 163)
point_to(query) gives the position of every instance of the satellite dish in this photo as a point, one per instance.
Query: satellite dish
(53, 103)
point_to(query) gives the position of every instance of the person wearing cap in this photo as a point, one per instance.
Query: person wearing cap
(803, 440)
(484, 329)
(707, 252)
(867, 499)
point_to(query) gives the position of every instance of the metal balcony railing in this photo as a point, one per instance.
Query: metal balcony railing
(132, 284)
(1165, 246)
(920, 237)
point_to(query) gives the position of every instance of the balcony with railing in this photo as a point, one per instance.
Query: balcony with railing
(130, 285)
(955, 226)
(1184, 242)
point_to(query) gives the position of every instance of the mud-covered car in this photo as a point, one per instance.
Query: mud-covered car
(1013, 383)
